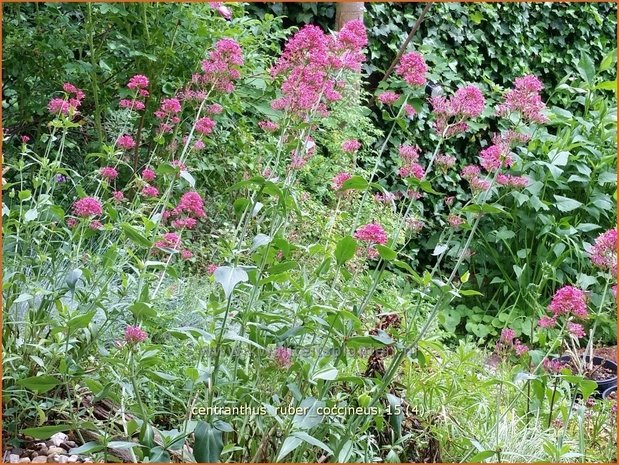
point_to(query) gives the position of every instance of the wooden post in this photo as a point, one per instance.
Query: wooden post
(349, 11)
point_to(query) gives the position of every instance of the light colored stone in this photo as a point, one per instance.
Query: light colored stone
(13, 458)
(39, 459)
(58, 438)
(25, 460)
(73, 458)
(56, 450)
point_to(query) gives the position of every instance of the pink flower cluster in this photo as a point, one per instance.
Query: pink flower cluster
(108, 172)
(148, 175)
(525, 99)
(444, 162)
(283, 357)
(412, 68)
(604, 251)
(135, 335)
(495, 157)
(139, 83)
(410, 168)
(88, 206)
(125, 142)
(351, 146)
(221, 68)
(150, 191)
(388, 98)
(506, 341)
(372, 233)
(455, 221)
(515, 182)
(552, 366)
(268, 126)
(205, 126)
(67, 106)
(567, 301)
(221, 9)
(308, 64)
(167, 114)
(451, 114)
(338, 180)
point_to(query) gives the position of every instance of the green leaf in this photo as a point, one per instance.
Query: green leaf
(585, 67)
(39, 384)
(386, 253)
(608, 60)
(81, 321)
(290, 444)
(328, 373)
(312, 440)
(259, 241)
(86, 448)
(135, 236)
(46, 432)
(208, 444)
(481, 456)
(345, 250)
(355, 182)
(142, 310)
(566, 204)
(607, 85)
(229, 277)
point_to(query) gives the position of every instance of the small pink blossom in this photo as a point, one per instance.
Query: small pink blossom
(568, 300)
(148, 175)
(25, 139)
(199, 145)
(507, 335)
(455, 221)
(547, 322)
(388, 98)
(372, 233)
(118, 196)
(552, 366)
(338, 180)
(470, 171)
(169, 240)
(88, 206)
(131, 104)
(95, 225)
(150, 191)
(408, 153)
(412, 68)
(135, 335)
(604, 251)
(479, 185)
(268, 126)
(214, 109)
(576, 330)
(191, 203)
(138, 81)
(186, 254)
(205, 126)
(520, 348)
(351, 146)
(283, 357)
(210, 269)
(445, 162)
(71, 223)
(108, 172)
(126, 142)
(409, 110)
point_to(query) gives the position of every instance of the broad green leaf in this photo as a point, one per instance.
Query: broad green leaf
(46, 432)
(39, 384)
(386, 253)
(345, 250)
(208, 443)
(290, 444)
(135, 236)
(312, 440)
(566, 204)
(355, 182)
(229, 277)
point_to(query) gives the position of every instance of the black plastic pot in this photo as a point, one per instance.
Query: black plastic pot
(607, 383)
(609, 391)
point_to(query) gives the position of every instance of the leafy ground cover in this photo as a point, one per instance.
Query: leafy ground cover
(248, 252)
